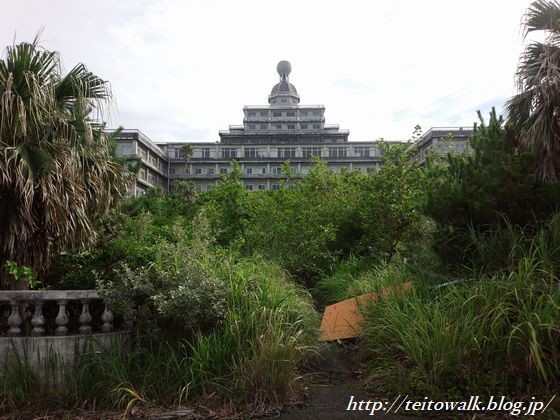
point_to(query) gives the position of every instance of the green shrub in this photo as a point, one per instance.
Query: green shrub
(269, 327)
(500, 333)
(250, 358)
(496, 182)
(177, 290)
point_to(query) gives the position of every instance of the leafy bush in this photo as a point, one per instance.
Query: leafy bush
(389, 203)
(178, 289)
(495, 182)
(251, 357)
(303, 226)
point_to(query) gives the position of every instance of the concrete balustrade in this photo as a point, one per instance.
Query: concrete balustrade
(17, 298)
(49, 328)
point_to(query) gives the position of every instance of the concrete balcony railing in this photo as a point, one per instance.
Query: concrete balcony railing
(49, 332)
(17, 299)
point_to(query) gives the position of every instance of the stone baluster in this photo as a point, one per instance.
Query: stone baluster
(107, 318)
(62, 318)
(14, 320)
(38, 320)
(85, 318)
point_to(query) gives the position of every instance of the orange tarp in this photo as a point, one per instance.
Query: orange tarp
(342, 320)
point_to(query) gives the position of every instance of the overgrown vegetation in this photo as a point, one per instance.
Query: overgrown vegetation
(220, 283)
(59, 171)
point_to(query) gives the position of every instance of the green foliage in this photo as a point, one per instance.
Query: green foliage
(58, 172)
(534, 109)
(388, 207)
(333, 287)
(476, 191)
(269, 327)
(499, 333)
(250, 358)
(303, 226)
(22, 273)
(177, 291)
(228, 208)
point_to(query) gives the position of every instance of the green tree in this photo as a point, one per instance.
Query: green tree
(390, 200)
(58, 169)
(476, 191)
(535, 109)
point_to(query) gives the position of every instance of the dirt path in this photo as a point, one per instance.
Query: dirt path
(335, 379)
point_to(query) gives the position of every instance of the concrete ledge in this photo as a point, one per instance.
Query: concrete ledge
(43, 354)
(32, 295)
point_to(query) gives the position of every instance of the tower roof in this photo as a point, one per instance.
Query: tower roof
(284, 87)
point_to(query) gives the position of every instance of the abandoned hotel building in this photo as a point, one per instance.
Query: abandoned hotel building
(270, 135)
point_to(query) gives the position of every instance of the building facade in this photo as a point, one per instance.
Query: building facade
(138, 149)
(283, 130)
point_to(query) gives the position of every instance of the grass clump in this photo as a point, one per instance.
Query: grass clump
(250, 358)
(498, 333)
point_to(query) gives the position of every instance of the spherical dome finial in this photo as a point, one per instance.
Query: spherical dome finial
(284, 67)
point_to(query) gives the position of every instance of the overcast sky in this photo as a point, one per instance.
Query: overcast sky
(182, 70)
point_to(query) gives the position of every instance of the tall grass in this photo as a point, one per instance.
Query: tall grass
(251, 358)
(500, 333)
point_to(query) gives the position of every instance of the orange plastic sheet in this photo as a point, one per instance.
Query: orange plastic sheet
(343, 320)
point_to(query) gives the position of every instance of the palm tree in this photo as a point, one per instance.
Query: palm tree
(535, 110)
(57, 172)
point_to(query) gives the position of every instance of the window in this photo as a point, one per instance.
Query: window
(173, 153)
(370, 170)
(304, 126)
(311, 151)
(198, 171)
(276, 170)
(316, 126)
(291, 126)
(286, 152)
(275, 187)
(291, 114)
(249, 187)
(229, 153)
(248, 171)
(263, 171)
(361, 151)
(124, 149)
(460, 147)
(223, 170)
(263, 113)
(283, 100)
(317, 113)
(251, 126)
(251, 114)
(262, 186)
(263, 126)
(278, 126)
(255, 152)
(210, 171)
(172, 170)
(250, 152)
(205, 152)
(276, 114)
(337, 152)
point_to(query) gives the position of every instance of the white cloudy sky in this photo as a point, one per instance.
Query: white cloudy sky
(182, 70)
